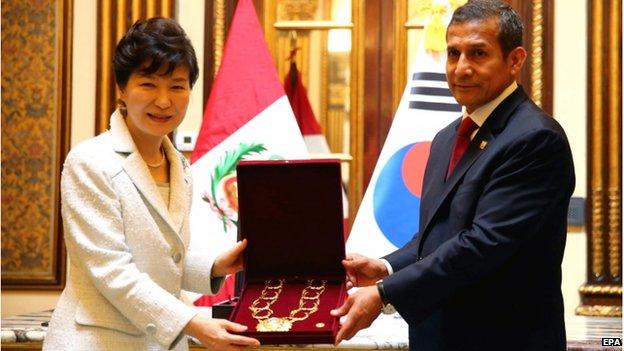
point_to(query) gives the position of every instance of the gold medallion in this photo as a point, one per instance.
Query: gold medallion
(274, 324)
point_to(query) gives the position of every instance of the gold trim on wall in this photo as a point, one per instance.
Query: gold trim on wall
(596, 142)
(537, 52)
(400, 53)
(597, 243)
(615, 127)
(136, 10)
(324, 81)
(601, 289)
(356, 122)
(599, 311)
(219, 33)
(602, 294)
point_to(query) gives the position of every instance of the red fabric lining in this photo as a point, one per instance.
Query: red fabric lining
(288, 300)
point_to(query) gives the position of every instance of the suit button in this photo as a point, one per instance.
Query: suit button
(151, 328)
(176, 257)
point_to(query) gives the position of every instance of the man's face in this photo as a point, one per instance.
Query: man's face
(476, 70)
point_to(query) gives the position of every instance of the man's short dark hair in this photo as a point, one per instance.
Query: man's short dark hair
(157, 42)
(509, 23)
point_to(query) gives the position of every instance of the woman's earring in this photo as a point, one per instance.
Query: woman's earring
(121, 106)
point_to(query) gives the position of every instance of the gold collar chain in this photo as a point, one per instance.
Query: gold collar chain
(261, 307)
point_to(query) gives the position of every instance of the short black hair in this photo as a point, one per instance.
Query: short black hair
(156, 42)
(510, 26)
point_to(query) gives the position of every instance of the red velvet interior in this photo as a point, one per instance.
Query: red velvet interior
(291, 214)
(305, 331)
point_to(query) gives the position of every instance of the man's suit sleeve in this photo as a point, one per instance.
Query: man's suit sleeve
(533, 179)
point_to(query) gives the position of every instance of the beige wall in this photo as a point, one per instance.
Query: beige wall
(569, 109)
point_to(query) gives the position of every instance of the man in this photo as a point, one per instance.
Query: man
(484, 270)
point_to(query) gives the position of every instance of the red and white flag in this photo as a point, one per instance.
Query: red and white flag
(309, 126)
(247, 116)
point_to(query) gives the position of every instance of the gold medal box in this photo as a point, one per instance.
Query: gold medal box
(290, 211)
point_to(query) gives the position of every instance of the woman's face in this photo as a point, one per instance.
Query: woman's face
(156, 103)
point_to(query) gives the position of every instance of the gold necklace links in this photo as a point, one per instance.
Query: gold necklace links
(261, 307)
(312, 302)
(262, 312)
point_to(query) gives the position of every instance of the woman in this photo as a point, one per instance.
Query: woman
(125, 203)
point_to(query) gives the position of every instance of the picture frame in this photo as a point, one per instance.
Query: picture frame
(36, 124)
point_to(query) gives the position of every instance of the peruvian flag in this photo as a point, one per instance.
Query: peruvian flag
(247, 116)
(309, 126)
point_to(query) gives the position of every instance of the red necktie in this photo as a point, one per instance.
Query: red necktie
(466, 128)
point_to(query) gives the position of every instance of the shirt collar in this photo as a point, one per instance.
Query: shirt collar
(482, 113)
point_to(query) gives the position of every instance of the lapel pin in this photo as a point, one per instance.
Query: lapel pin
(483, 144)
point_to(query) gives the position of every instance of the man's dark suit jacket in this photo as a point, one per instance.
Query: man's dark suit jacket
(484, 271)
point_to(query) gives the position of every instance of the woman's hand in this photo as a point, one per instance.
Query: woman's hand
(230, 261)
(214, 334)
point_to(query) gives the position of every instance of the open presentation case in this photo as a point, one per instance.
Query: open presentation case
(290, 211)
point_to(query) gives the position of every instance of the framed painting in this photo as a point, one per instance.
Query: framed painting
(36, 107)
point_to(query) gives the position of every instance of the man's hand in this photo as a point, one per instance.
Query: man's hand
(214, 334)
(230, 261)
(363, 271)
(361, 309)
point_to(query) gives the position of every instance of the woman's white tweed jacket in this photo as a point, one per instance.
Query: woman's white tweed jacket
(128, 252)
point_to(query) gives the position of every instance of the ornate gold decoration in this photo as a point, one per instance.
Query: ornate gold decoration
(324, 82)
(597, 132)
(261, 307)
(219, 33)
(597, 241)
(615, 232)
(537, 52)
(104, 75)
(599, 311)
(399, 59)
(601, 289)
(296, 10)
(615, 151)
(356, 118)
(604, 119)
